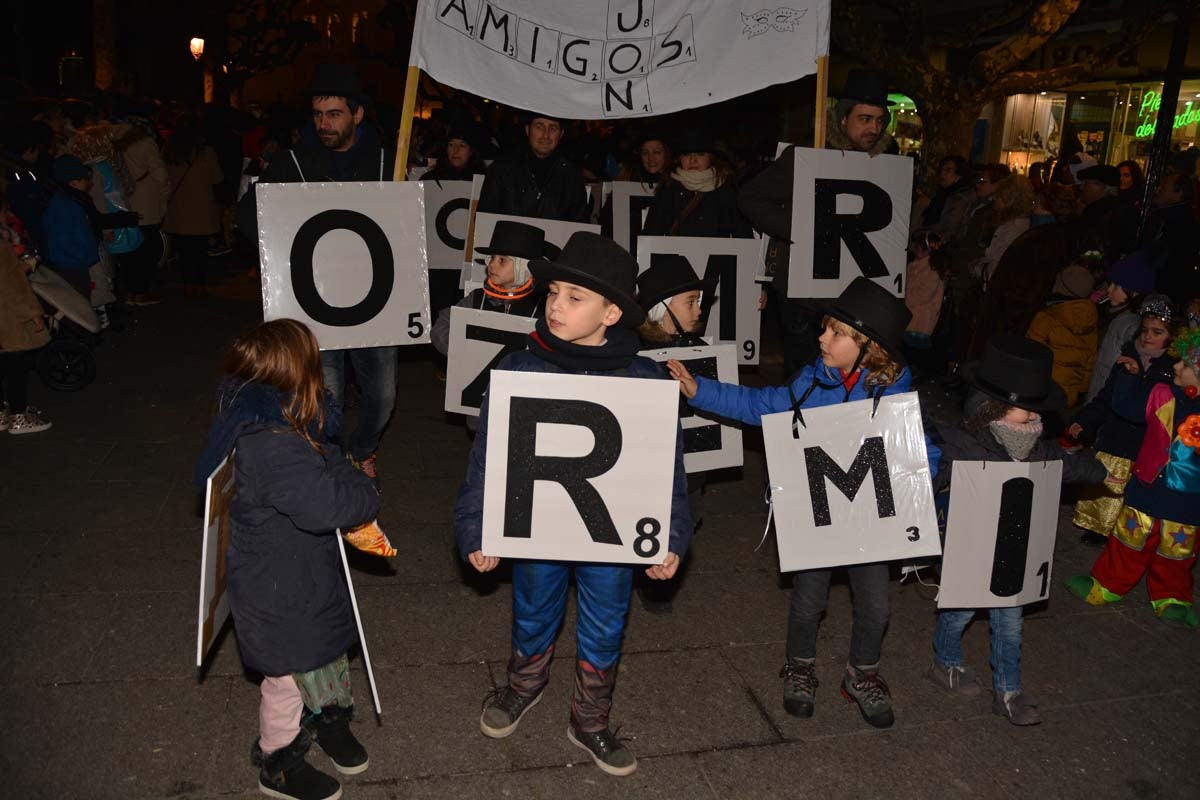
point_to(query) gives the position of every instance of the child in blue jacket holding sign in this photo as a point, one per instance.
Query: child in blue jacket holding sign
(588, 328)
(860, 358)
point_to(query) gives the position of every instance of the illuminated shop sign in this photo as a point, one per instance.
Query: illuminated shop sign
(1150, 104)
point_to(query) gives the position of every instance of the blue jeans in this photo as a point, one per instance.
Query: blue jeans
(540, 598)
(375, 370)
(1005, 624)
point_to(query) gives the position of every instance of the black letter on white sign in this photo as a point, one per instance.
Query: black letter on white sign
(304, 284)
(499, 23)
(525, 467)
(441, 223)
(1012, 537)
(870, 457)
(510, 341)
(637, 20)
(831, 229)
(461, 7)
(703, 438)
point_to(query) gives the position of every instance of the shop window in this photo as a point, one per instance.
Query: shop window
(1033, 126)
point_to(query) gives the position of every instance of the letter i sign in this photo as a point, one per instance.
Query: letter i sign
(579, 467)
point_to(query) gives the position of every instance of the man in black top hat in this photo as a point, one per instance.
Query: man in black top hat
(533, 180)
(861, 117)
(339, 146)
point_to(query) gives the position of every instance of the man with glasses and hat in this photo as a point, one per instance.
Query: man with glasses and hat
(339, 146)
(861, 117)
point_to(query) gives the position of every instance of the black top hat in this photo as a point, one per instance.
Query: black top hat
(600, 264)
(1105, 173)
(511, 238)
(337, 80)
(874, 312)
(866, 86)
(695, 140)
(669, 275)
(1017, 371)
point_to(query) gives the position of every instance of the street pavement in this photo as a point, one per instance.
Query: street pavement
(99, 563)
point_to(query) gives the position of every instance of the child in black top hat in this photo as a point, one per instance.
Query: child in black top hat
(588, 327)
(861, 358)
(509, 288)
(673, 298)
(1003, 423)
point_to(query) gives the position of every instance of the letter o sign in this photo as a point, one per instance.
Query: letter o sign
(383, 268)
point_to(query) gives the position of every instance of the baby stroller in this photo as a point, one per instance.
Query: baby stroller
(68, 363)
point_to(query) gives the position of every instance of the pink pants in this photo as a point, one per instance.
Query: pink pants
(279, 713)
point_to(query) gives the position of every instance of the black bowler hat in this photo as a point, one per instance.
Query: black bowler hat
(600, 264)
(670, 275)
(695, 140)
(338, 80)
(874, 312)
(1105, 173)
(866, 86)
(1018, 371)
(510, 238)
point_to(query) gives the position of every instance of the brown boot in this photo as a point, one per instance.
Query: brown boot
(590, 706)
(504, 706)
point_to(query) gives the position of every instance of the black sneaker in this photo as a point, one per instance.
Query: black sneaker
(605, 749)
(1094, 539)
(502, 711)
(799, 686)
(868, 689)
(331, 731)
(284, 773)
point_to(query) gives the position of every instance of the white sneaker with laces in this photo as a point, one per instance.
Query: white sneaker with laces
(30, 422)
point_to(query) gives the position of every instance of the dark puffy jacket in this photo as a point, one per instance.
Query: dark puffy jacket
(715, 215)
(468, 511)
(962, 445)
(368, 160)
(1109, 430)
(288, 596)
(510, 187)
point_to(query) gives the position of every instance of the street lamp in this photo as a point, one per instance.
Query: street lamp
(197, 47)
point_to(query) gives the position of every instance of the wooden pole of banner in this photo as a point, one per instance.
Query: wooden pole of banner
(406, 123)
(819, 113)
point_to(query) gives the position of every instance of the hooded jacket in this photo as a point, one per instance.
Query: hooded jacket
(1070, 329)
(283, 570)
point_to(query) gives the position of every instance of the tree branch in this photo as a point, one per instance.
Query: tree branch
(1046, 21)
(862, 36)
(965, 36)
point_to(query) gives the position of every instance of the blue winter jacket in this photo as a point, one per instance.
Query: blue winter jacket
(70, 239)
(749, 404)
(468, 511)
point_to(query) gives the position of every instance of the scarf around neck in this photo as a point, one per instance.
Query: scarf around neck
(1017, 440)
(1147, 354)
(696, 180)
(617, 352)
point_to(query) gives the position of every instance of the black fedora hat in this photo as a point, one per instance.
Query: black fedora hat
(866, 86)
(511, 238)
(669, 275)
(1018, 371)
(337, 80)
(874, 312)
(600, 264)
(695, 140)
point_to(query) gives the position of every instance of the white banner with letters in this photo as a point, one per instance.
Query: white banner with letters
(708, 443)
(556, 231)
(733, 315)
(1000, 534)
(850, 216)
(579, 467)
(346, 259)
(478, 340)
(447, 217)
(851, 487)
(590, 59)
(214, 604)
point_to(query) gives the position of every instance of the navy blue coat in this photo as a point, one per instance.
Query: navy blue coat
(290, 603)
(468, 511)
(1110, 430)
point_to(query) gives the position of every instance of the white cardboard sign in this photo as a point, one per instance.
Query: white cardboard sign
(849, 217)
(733, 315)
(447, 217)
(579, 467)
(556, 231)
(478, 340)
(346, 259)
(849, 487)
(1000, 534)
(708, 443)
(214, 604)
(630, 202)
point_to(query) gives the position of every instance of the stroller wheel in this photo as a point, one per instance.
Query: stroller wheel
(67, 365)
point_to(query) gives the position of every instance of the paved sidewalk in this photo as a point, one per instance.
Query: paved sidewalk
(99, 555)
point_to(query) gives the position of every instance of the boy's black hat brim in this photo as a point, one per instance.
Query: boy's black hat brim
(632, 315)
(549, 252)
(648, 302)
(1054, 399)
(894, 349)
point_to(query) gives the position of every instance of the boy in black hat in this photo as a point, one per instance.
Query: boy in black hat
(589, 324)
(861, 357)
(673, 297)
(1003, 423)
(509, 288)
